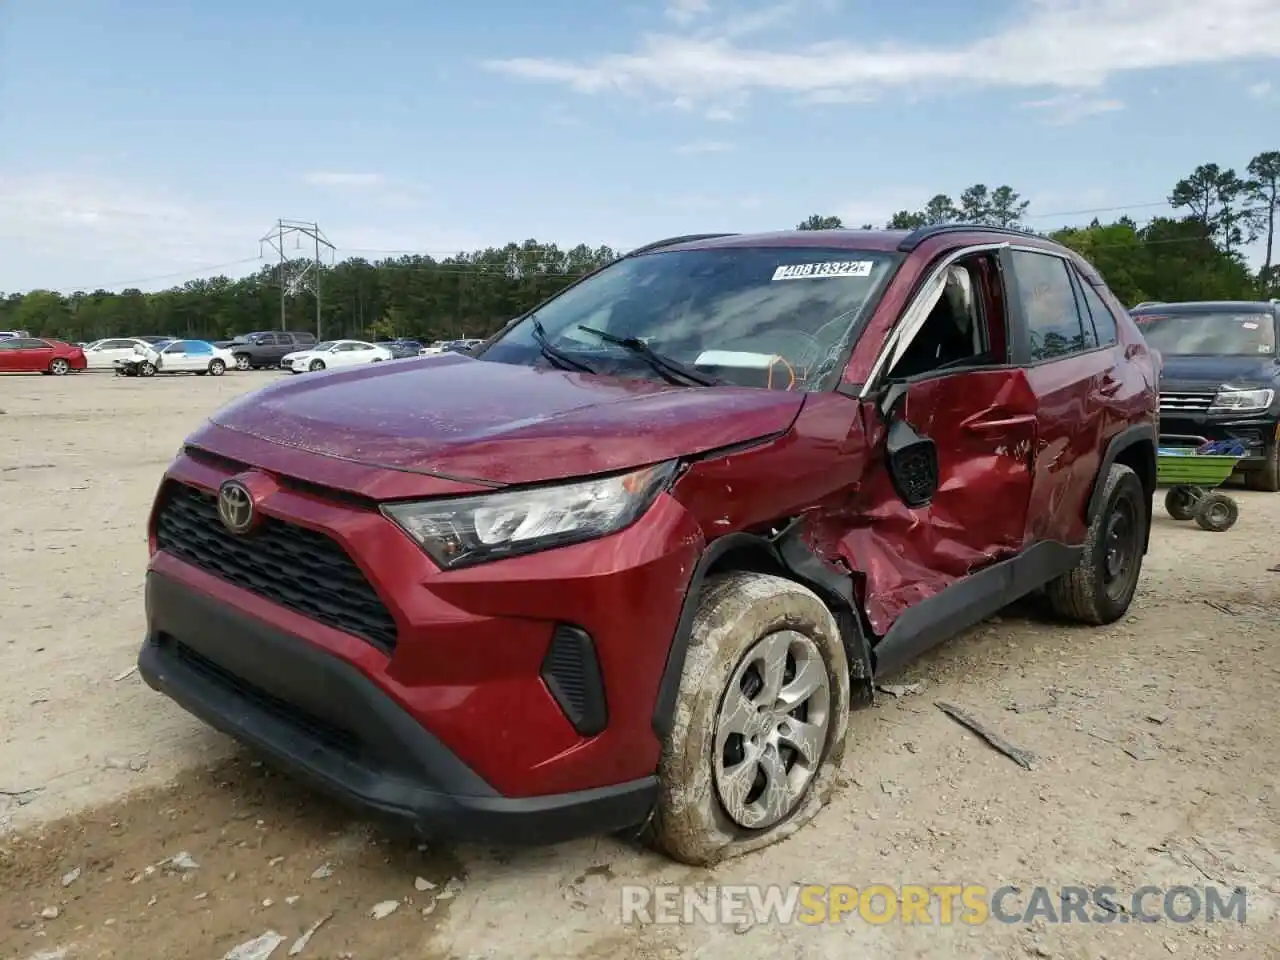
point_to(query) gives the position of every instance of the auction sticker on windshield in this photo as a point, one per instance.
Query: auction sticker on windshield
(815, 271)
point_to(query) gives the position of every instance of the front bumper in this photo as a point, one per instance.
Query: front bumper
(331, 604)
(322, 718)
(1259, 433)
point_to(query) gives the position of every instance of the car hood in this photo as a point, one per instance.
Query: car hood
(1208, 373)
(457, 417)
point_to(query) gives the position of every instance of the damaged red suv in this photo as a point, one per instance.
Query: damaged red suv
(631, 564)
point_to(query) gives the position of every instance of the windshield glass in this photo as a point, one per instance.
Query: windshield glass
(1209, 334)
(775, 317)
(319, 347)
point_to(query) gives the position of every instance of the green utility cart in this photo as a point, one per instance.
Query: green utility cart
(1192, 479)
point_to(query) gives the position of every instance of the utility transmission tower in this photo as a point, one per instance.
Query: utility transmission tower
(298, 273)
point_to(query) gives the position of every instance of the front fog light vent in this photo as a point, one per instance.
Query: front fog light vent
(571, 672)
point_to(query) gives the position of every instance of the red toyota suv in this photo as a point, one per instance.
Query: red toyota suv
(631, 563)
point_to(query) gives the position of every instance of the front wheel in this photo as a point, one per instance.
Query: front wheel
(243, 362)
(1100, 589)
(146, 369)
(1217, 512)
(760, 721)
(316, 365)
(217, 368)
(1267, 478)
(59, 367)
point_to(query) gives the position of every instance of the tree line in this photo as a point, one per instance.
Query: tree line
(1194, 254)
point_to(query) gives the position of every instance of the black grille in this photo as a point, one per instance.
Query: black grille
(327, 733)
(297, 568)
(572, 674)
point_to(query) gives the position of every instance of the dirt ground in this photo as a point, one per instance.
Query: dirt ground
(128, 830)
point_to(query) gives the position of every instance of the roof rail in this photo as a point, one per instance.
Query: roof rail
(921, 234)
(672, 241)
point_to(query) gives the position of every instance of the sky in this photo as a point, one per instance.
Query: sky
(148, 142)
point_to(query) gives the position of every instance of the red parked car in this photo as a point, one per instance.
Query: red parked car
(632, 563)
(38, 355)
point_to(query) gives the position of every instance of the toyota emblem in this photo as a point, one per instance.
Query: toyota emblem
(235, 507)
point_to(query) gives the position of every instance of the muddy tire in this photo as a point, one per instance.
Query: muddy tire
(1181, 502)
(764, 689)
(1217, 512)
(1100, 589)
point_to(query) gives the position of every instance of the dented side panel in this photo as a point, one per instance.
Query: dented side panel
(984, 425)
(814, 467)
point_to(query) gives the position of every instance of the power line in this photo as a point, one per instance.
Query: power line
(191, 273)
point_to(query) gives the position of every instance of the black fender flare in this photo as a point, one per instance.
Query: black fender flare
(1126, 438)
(788, 551)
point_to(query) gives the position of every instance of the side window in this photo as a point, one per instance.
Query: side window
(267, 340)
(178, 346)
(1048, 299)
(962, 328)
(1104, 321)
(197, 346)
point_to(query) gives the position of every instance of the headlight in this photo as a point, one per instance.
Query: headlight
(468, 530)
(1230, 399)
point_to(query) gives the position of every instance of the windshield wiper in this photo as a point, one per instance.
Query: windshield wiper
(672, 370)
(557, 357)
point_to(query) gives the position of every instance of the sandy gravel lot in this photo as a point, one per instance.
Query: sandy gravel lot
(1156, 738)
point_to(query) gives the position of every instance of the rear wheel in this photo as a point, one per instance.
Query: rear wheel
(1181, 502)
(59, 367)
(243, 362)
(316, 365)
(1100, 589)
(217, 368)
(760, 721)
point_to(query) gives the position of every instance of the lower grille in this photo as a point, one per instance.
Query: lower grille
(331, 735)
(1185, 402)
(300, 569)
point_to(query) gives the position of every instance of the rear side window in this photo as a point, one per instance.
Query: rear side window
(1054, 324)
(1104, 321)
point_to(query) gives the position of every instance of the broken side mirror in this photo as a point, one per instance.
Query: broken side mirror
(912, 462)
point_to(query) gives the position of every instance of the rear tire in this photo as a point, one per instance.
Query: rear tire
(217, 368)
(59, 367)
(1181, 502)
(1100, 589)
(760, 721)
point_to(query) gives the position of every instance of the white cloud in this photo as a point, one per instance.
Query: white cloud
(705, 146)
(62, 232)
(685, 12)
(1062, 44)
(1260, 91)
(1070, 107)
(332, 179)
